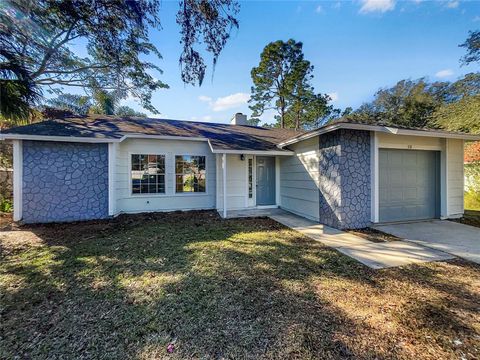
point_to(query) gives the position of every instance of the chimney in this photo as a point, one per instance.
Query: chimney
(239, 119)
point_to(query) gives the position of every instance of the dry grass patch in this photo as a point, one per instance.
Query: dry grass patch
(212, 288)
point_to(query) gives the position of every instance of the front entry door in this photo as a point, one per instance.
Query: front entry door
(265, 180)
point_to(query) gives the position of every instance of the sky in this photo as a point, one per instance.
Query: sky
(356, 48)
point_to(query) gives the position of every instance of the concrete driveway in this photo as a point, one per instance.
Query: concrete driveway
(448, 236)
(373, 255)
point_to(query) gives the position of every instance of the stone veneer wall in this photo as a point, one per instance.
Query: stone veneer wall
(64, 181)
(345, 179)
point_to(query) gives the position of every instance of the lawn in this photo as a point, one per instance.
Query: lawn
(221, 289)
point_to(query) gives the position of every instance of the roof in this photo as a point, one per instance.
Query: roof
(103, 128)
(221, 137)
(378, 127)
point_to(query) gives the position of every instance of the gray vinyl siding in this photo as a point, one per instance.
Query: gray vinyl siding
(132, 203)
(299, 179)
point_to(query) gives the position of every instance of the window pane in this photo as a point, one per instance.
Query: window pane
(201, 163)
(179, 183)
(144, 162)
(136, 187)
(190, 173)
(161, 183)
(188, 183)
(144, 173)
(178, 164)
(152, 188)
(201, 185)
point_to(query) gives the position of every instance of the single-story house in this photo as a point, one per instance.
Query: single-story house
(345, 174)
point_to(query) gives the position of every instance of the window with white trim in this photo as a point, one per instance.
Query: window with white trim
(148, 174)
(190, 174)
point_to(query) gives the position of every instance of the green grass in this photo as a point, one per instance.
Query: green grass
(221, 289)
(472, 200)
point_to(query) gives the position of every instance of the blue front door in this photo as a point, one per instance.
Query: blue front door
(265, 180)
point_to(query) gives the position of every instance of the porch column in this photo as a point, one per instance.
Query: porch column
(224, 168)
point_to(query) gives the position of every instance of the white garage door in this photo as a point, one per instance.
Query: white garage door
(409, 185)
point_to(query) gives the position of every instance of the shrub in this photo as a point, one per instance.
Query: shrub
(472, 186)
(6, 205)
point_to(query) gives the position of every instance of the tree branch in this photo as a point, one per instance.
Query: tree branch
(53, 48)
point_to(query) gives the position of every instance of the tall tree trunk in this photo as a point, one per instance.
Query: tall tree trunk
(282, 113)
(297, 122)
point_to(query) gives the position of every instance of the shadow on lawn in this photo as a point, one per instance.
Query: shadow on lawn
(219, 288)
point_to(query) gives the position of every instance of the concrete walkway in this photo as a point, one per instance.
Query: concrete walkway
(448, 236)
(373, 255)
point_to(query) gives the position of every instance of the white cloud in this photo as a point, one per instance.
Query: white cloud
(453, 4)
(205, 98)
(268, 117)
(377, 6)
(206, 118)
(444, 73)
(229, 101)
(318, 9)
(333, 96)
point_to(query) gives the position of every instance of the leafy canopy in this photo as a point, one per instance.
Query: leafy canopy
(103, 103)
(37, 37)
(472, 44)
(420, 103)
(462, 115)
(282, 81)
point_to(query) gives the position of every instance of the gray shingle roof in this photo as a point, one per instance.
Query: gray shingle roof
(221, 136)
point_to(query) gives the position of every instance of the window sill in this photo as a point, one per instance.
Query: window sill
(156, 195)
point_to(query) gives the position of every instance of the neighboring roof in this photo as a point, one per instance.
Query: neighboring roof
(379, 127)
(101, 128)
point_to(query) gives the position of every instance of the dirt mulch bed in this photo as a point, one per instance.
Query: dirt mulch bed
(471, 217)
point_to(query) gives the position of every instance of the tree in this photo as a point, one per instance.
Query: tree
(128, 111)
(104, 103)
(17, 88)
(210, 20)
(281, 69)
(472, 44)
(308, 110)
(39, 34)
(462, 115)
(409, 103)
(77, 104)
(418, 103)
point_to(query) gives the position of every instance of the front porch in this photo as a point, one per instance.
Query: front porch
(253, 212)
(248, 185)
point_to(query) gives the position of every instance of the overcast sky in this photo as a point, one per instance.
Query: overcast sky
(356, 48)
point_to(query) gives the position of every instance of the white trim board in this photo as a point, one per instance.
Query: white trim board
(377, 128)
(374, 177)
(96, 140)
(251, 152)
(17, 180)
(112, 200)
